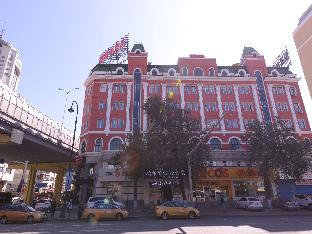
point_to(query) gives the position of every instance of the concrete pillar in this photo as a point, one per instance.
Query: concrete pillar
(58, 185)
(30, 185)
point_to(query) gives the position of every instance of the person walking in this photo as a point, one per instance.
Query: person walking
(53, 208)
(223, 203)
(69, 206)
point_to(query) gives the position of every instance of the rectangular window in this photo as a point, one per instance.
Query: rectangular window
(89, 91)
(209, 89)
(281, 106)
(190, 90)
(121, 105)
(231, 123)
(210, 106)
(301, 124)
(297, 108)
(293, 91)
(102, 105)
(115, 106)
(226, 89)
(103, 88)
(244, 90)
(228, 106)
(287, 122)
(172, 89)
(188, 106)
(249, 122)
(151, 88)
(119, 88)
(195, 106)
(120, 123)
(212, 122)
(114, 123)
(247, 106)
(100, 123)
(278, 90)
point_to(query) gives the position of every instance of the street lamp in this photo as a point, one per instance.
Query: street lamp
(71, 110)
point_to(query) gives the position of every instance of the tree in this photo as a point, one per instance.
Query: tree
(172, 134)
(277, 150)
(134, 160)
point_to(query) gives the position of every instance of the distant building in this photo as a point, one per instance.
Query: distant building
(303, 40)
(10, 65)
(247, 91)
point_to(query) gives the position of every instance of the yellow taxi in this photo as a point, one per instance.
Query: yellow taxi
(176, 209)
(20, 212)
(105, 211)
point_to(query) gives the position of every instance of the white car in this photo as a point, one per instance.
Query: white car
(250, 203)
(303, 200)
(44, 204)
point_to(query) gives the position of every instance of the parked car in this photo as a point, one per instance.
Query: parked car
(286, 204)
(249, 203)
(43, 205)
(16, 200)
(111, 201)
(176, 209)
(304, 200)
(92, 200)
(21, 212)
(104, 211)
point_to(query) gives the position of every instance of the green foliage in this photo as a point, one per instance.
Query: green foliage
(277, 151)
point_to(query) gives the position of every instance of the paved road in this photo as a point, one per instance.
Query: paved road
(215, 225)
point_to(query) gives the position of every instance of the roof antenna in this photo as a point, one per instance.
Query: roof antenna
(2, 32)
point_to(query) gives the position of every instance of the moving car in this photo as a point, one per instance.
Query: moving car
(43, 205)
(21, 212)
(249, 203)
(286, 204)
(304, 200)
(176, 209)
(93, 200)
(104, 211)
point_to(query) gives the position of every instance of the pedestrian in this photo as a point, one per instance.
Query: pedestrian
(69, 206)
(223, 203)
(53, 208)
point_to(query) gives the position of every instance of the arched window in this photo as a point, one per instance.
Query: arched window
(171, 72)
(137, 70)
(274, 73)
(83, 147)
(215, 144)
(198, 71)
(184, 71)
(154, 72)
(115, 144)
(224, 73)
(98, 145)
(235, 144)
(241, 73)
(211, 72)
(119, 71)
(138, 51)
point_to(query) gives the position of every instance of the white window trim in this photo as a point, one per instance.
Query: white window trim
(225, 70)
(154, 69)
(174, 71)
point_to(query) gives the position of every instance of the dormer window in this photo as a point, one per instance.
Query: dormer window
(242, 73)
(184, 71)
(254, 54)
(198, 71)
(211, 72)
(154, 72)
(138, 51)
(274, 73)
(119, 71)
(224, 73)
(171, 72)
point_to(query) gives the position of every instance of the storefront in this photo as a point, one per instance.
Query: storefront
(230, 182)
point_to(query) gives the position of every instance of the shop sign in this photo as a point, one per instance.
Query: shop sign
(223, 173)
(304, 182)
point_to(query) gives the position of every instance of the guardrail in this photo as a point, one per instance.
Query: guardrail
(25, 115)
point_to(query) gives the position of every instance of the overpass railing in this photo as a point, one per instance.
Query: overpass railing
(20, 111)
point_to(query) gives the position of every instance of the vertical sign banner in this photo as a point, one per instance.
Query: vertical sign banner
(116, 52)
(68, 180)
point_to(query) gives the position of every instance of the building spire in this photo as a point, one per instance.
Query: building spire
(2, 32)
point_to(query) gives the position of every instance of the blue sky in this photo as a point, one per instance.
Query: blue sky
(60, 41)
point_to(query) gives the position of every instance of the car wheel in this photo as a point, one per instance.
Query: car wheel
(45, 217)
(91, 218)
(164, 216)
(119, 216)
(191, 215)
(4, 220)
(30, 219)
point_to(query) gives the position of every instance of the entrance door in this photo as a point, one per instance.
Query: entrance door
(167, 193)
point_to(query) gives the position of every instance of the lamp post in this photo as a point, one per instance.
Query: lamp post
(71, 110)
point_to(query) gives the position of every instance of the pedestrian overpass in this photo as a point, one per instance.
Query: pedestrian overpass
(26, 134)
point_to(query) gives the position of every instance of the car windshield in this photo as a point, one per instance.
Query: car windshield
(95, 199)
(253, 199)
(31, 209)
